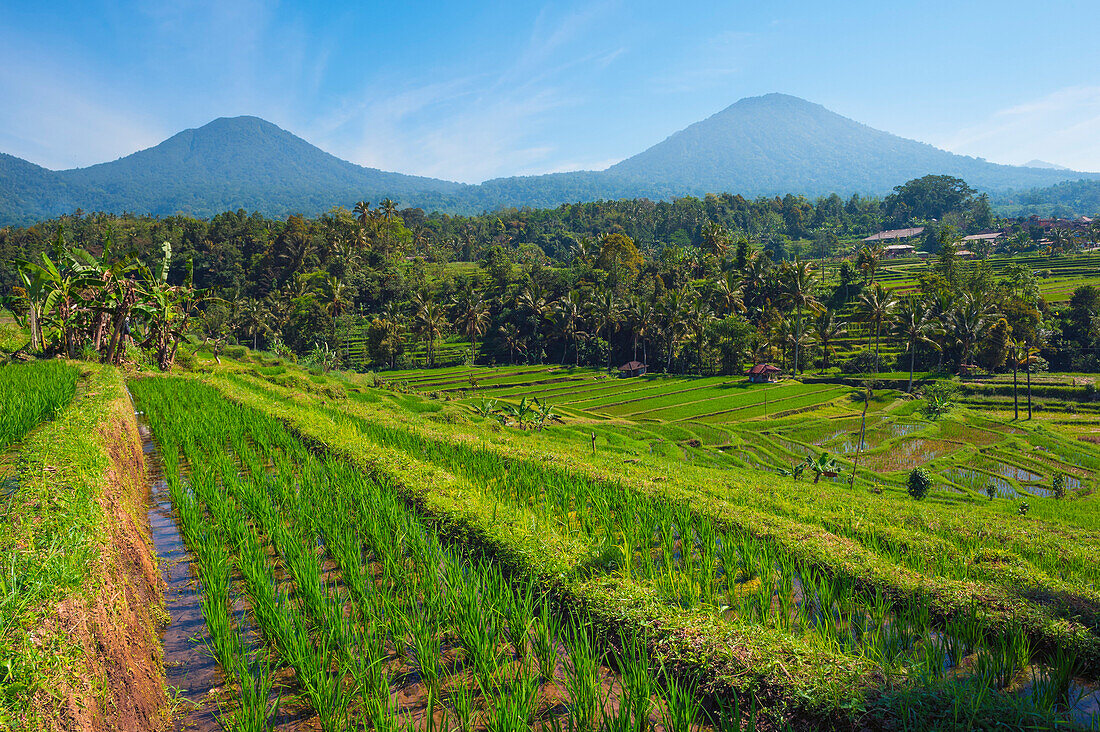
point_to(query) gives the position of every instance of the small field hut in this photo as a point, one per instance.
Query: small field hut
(631, 368)
(763, 373)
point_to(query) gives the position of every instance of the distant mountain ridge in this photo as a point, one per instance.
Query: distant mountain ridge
(769, 145)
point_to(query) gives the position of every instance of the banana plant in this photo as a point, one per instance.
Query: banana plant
(545, 413)
(823, 465)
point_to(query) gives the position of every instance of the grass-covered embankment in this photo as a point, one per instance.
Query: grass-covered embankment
(78, 587)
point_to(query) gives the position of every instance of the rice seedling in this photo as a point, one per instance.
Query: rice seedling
(31, 393)
(582, 679)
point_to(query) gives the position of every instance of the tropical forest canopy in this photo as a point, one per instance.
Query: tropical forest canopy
(692, 285)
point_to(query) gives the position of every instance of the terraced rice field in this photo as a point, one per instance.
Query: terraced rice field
(727, 565)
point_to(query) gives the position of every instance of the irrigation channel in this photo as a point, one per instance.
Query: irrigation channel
(304, 594)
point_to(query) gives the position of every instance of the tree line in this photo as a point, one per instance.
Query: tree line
(693, 285)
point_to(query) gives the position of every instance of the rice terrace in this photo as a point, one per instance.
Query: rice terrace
(783, 423)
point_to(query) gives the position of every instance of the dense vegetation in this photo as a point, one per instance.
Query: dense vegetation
(700, 285)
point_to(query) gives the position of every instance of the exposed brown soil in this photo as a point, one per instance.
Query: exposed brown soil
(122, 684)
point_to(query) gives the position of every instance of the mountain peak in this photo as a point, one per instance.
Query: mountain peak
(1044, 165)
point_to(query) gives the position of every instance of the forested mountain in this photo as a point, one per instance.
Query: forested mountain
(1069, 199)
(776, 144)
(770, 145)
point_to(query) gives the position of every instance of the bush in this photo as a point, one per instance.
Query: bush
(235, 352)
(919, 483)
(861, 363)
(1058, 485)
(938, 398)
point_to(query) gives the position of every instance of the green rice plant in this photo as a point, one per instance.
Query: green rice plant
(544, 639)
(680, 711)
(461, 697)
(512, 707)
(582, 680)
(257, 708)
(1051, 686)
(31, 393)
(638, 685)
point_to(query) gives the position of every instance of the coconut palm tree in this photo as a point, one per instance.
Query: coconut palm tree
(798, 286)
(868, 260)
(363, 214)
(913, 323)
(671, 310)
(428, 323)
(969, 321)
(513, 339)
(699, 317)
(728, 292)
(607, 312)
(569, 315)
(876, 305)
(533, 299)
(472, 316)
(827, 329)
(642, 317)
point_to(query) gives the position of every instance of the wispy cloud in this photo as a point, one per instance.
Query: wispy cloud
(470, 125)
(709, 64)
(59, 118)
(1062, 127)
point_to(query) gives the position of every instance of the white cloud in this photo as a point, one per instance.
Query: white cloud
(1062, 127)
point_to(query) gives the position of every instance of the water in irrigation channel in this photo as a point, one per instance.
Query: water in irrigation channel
(191, 673)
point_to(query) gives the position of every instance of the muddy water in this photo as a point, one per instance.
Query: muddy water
(190, 670)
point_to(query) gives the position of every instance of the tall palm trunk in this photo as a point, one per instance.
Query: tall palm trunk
(797, 335)
(1015, 397)
(1028, 356)
(912, 363)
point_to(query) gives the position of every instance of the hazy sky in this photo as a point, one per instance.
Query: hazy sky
(469, 91)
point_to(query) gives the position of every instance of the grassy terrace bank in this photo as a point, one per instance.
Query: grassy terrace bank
(79, 594)
(813, 680)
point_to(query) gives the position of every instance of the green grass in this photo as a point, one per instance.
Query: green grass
(49, 541)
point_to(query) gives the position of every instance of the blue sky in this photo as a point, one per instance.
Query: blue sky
(469, 91)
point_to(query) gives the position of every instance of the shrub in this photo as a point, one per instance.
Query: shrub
(991, 490)
(235, 352)
(919, 483)
(1058, 485)
(862, 362)
(938, 398)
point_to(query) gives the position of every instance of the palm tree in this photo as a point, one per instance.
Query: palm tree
(363, 214)
(716, 238)
(969, 321)
(335, 293)
(533, 299)
(473, 316)
(827, 329)
(876, 305)
(798, 291)
(254, 320)
(428, 323)
(699, 318)
(642, 316)
(671, 310)
(868, 261)
(513, 339)
(569, 314)
(728, 291)
(606, 311)
(914, 324)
